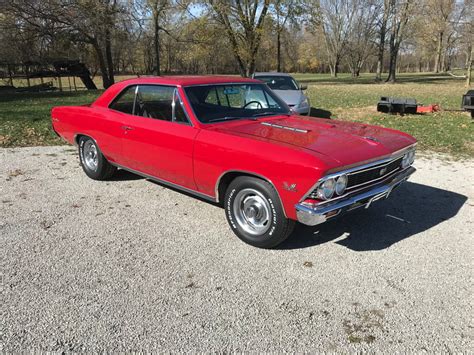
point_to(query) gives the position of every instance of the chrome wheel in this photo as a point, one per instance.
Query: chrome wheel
(89, 155)
(252, 211)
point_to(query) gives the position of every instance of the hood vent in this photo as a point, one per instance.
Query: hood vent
(299, 130)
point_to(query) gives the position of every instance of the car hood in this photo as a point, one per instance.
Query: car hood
(344, 143)
(291, 97)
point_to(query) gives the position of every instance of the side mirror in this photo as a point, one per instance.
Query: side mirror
(303, 86)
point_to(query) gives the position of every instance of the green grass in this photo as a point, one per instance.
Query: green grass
(25, 117)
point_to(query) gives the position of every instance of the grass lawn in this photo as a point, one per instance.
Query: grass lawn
(25, 117)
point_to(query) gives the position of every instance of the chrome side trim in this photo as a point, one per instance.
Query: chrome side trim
(216, 189)
(313, 215)
(355, 169)
(168, 183)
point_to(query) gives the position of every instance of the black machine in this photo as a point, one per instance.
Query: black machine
(397, 105)
(468, 102)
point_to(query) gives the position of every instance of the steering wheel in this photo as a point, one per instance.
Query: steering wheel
(253, 102)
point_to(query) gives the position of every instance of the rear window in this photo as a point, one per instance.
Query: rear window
(125, 101)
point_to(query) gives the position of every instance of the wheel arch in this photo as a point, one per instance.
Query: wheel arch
(228, 176)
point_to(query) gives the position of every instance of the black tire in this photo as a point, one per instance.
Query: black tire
(102, 170)
(257, 198)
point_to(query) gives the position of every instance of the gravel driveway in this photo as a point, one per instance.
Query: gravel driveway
(131, 265)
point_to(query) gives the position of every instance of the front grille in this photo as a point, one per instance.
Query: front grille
(367, 176)
(377, 172)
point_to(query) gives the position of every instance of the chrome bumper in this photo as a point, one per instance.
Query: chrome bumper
(312, 216)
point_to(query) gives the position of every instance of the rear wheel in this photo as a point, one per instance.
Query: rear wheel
(93, 161)
(255, 214)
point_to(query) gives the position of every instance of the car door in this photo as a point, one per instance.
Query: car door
(159, 137)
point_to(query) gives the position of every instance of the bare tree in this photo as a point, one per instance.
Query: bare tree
(400, 15)
(88, 22)
(243, 21)
(336, 22)
(360, 42)
(284, 11)
(383, 23)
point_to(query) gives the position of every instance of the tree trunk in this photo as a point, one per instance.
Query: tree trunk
(102, 64)
(156, 42)
(381, 49)
(109, 58)
(392, 70)
(469, 67)
(278, 50)
(438, 52)
(335, 69)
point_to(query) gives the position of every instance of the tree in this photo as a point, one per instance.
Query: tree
(243, 22)
(361, 38)
(400, 14)
(336, 22)
(158, 7)
(90, 22)
(383, 22)
(284, 11)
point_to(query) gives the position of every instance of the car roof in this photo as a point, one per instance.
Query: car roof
(178, 80)
(186, 80)
(272, 73)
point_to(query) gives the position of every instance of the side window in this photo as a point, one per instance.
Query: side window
(160, 103)
(125, 101)
(154, 101)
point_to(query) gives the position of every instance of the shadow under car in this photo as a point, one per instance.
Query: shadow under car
(412, 209)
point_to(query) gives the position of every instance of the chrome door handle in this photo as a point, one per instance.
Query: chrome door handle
(127, 128)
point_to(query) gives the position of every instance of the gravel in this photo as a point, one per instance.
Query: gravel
(131, 265)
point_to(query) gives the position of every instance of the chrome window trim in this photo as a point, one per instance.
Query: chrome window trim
(119, 94)
(394, 156)
(189, 123)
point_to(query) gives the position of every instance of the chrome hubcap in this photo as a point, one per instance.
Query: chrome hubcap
(89, 155)
(252, 211)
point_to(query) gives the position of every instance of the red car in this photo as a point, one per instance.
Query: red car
(233, 141)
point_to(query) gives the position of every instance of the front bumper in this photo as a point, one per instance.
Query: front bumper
(313, 215)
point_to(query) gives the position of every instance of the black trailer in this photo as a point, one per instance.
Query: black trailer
(468, 102)
(397, 105)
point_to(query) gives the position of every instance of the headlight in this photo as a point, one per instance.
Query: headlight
(408, 159)
(304, 102)
(341, 183)
(326, 189)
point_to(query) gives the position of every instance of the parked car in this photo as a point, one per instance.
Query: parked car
(235, 142)
(285, 86)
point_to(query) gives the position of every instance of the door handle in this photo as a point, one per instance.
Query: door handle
(127, 128)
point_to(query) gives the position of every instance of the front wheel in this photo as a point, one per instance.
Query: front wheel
(255, 214)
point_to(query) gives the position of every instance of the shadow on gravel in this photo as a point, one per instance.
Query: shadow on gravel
(412, 209)
(124, 175)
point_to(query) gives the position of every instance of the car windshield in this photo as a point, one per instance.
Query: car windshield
(220, 102)
(278, 82)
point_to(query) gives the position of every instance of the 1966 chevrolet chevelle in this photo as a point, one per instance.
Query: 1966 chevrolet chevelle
(233, 141)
